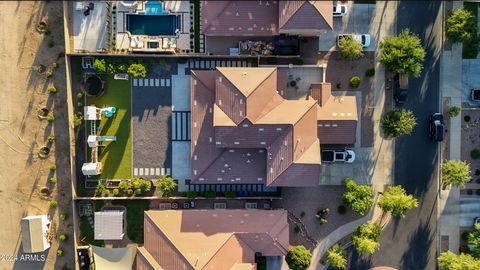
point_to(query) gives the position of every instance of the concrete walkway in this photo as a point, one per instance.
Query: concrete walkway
(383, 25)
(449, 200)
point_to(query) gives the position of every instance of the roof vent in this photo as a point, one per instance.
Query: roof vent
(245, 73)
(341, 100)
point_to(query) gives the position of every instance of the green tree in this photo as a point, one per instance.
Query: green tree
(298, 258)
(403, 53)
(137, 71)
(140, 185)
(454, 111)
(396, 200)
(358, 197)
(450, 261)
(336, 257)
(473, 240)
(100, 65)
(460, 25)
(455, 172)
(398, 122)
(365, 237)
(350, 48)
(166, 186)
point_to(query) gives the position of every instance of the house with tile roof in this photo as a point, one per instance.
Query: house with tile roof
(245, 132)
(265, 17)
(211, 239)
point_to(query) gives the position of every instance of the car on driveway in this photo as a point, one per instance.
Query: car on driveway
(331, 156)
(436, 127)
(339, 10)
(364, 39)
(475, 94)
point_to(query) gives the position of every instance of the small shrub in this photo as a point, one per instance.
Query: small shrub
(230, 194)
(370, 72)
(130, 192)
(53, 203)
(467, 118)
(78, 119)
(51, 118)
(322, 221)
(190, 194)
(59, 253)
(55, 65)
(52, 89)
(298, 61)
(53, 180)
(138, 191)
(342, 209)
(339, 85)
(475, 154)
(79, 95)
(63, 237)
(63, 216)
(454, 111)
(106, 193)
(53, 167)
(51, 43)
(210, 194)
(51, 138)
(115, 192)
(469, 192)
(355, 81)
(79, 104)
(49, 74)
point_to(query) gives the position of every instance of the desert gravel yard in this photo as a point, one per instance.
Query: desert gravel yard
(310, 200)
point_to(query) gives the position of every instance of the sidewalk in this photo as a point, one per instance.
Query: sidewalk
(383, 25)
(448, 204)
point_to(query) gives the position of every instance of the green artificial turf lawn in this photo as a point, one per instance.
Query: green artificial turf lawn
(116, 157)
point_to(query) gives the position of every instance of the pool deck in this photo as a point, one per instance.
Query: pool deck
(89, 32)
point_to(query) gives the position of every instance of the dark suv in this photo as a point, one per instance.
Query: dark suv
(436, 127)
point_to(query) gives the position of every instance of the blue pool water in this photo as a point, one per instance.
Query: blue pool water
(153, 25)
(153, 8)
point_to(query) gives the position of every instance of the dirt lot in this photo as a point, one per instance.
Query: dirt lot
(22, 173)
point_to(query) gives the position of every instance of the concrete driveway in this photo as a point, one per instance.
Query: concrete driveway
(469, 209)
(359, 20)
(470, 79)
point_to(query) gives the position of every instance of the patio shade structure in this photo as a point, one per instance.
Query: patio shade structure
(34, 233)
(108, 225)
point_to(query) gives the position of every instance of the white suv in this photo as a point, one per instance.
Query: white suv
(364, 39)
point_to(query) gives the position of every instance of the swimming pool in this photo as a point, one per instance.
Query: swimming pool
(153, 8)
(153, 25)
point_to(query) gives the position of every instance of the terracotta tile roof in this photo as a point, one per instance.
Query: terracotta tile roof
(263, 17)
(251, 123)
(212, 239)
(305, 15)
(337, 115)
(239, 18)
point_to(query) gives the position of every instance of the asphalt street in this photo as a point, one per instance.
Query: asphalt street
(410, 243)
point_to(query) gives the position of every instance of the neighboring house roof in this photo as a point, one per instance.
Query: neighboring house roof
(114, 258)
(305, 15)
(264, 17)
(337, 115)
(211, 239)
(256, 18)
(108, 225)
(34, 233)
(243, 131)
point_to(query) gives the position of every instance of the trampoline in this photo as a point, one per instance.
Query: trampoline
(93, 86)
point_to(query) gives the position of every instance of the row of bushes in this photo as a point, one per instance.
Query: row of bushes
(135, 186)
(136, 70)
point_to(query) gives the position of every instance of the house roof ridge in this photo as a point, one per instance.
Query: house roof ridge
(167, 238)
(220, 248)
(246, 68)
(281, 24)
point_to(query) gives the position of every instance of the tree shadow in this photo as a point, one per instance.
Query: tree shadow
(419, 254)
